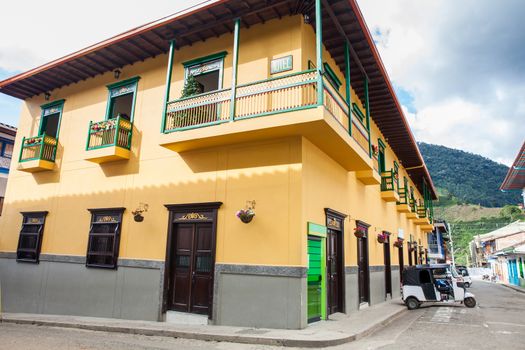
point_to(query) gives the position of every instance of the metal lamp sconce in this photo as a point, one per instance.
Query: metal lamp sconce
(116, 73)
(137, 213)
(246, 215)
(47, 95)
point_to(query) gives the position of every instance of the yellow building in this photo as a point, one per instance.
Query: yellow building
(130, 201)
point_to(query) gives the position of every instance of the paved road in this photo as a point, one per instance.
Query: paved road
(497, 323)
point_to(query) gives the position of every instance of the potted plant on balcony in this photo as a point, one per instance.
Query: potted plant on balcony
(359, 232)
(382, 237)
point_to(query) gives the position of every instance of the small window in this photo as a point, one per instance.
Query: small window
(121, 100)
(8, 150)
(331, 76)
(50, 119)
(30, 239)
(424, 276)
(104, 238)
(206, 71)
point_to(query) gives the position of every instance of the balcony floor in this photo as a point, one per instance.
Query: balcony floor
(107, 154)
(36, 165)
(315, 124)
(403, 208)
(390, 196)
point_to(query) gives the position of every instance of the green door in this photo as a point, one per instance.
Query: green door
(315, 278)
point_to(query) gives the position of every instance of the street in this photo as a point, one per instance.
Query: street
(497, 322)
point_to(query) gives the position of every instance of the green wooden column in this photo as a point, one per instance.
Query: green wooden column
(235, 66)
(348, 86)
(319, 50)
(168, 85)
(367, 107)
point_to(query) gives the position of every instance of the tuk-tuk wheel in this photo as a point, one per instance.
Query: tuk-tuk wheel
(470, 302)
(412, 303)
(467, 285)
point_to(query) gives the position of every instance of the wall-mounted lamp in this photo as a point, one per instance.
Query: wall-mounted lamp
(137, 213)
(116, 73)
(306, 19)
(47, 95)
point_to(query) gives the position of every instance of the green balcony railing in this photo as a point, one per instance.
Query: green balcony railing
(403, 196)
(422, 212)
(389, 181)
(413, 205)
(42, 147)
(288, 93)
(112, 132)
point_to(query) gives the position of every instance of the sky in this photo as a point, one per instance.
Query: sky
(458, 67)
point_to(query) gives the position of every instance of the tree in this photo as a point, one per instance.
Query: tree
(512, 212)
(191, 87)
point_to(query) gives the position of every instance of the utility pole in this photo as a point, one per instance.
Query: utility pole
(451, 245)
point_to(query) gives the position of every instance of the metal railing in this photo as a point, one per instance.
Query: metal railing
(389, 181)
(111, 132)
(42, 147)
(403, 196)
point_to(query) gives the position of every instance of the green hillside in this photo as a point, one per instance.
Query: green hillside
(466, 177)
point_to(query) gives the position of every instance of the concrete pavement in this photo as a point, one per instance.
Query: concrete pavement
(339, 329)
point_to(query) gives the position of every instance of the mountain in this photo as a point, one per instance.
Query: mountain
(463, 177)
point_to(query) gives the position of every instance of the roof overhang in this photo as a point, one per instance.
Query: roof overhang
(515, 179)
(215, 17)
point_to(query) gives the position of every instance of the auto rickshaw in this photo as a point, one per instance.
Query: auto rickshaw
(434, 283)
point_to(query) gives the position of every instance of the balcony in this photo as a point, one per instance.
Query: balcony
(109, 140)
(412, 214)
(277, 107)
(370, 177)
(37, 154)
(423, 217)
(403, 205)
(389, 186)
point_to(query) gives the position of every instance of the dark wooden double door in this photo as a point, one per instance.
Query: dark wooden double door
(335, 272)
(191, 268)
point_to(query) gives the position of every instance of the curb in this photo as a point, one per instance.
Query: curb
(517, 289)
(241, 339)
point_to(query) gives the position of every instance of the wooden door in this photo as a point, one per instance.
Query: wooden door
(334, 265)
(388, 268)
(401, 262)
(192, 268)
(362, 260)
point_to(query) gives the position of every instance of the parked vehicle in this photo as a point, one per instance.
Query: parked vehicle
(434, 283)
(463, 271)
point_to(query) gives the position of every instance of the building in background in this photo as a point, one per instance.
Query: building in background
(437, 247)
(515, 179)
(7, 140)
(142, 160)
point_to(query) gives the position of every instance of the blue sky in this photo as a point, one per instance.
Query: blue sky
(9, 106)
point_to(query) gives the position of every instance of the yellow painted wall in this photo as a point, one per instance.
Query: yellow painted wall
(291, 180)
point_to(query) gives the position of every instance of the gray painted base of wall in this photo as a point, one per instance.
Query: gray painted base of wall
(260, 296)
(67, 287)
(351, 290)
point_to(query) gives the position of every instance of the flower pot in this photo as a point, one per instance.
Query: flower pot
(138, 218)
(381, 240)
(359, 234)
(247, 218)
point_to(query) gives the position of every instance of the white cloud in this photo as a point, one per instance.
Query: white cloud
(463, 63)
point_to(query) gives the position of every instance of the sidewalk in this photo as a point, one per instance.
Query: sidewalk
(516, 288)
(340, 329)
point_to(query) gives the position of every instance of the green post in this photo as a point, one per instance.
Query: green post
(367, 107)
(42, 145)
(348, 86)
(89, 135)
(168, 85)
(21, 149)
(117, 128)
(319, 50)
(235, 66)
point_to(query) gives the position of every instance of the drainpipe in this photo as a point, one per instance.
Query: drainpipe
(168, 85)
(348, 86)
(319, 50)
(235, 66)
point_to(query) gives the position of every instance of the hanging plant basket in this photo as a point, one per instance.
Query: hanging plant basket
(245, 215)
(398, 243)
(382, 238)
(359, 233)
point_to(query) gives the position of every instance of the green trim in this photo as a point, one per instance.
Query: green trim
(380, 143)
(196, 126)
(348, 87)
(168, 85)
(358, 112)
(118, 84)
(200, 60)
(235, 65)
(367, 110)
(332, 75)
(279, 77)
(319, 50)
(317, 230)
(45, 106)
(52, 104)
(277, 112)
(324, 293)
(113, 86)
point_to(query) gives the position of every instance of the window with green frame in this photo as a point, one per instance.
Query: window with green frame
(50, 118)
(331, 76)
(381, 155)
(121, 99)
(207, 72)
